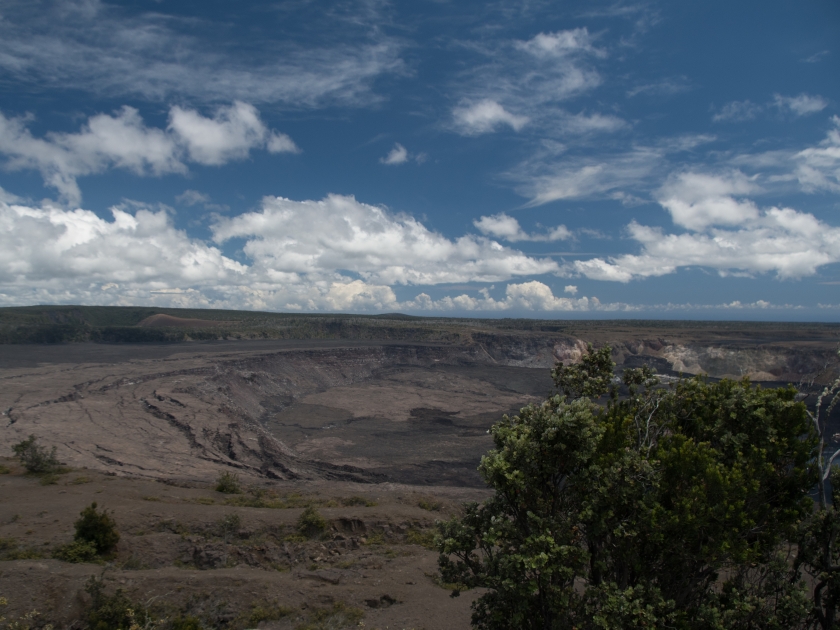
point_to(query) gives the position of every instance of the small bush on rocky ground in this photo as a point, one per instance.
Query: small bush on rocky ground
(114, 612)
(186, 623)
(228, 526)
(311, 523)
(10, 550)
(77, 551)
(228, 483)
(36, 458)
(25, 622)
(80, 480)
(339, 615)
(262, 612)
(5, 470)
(49, 479)
(355, 500)
(424, 538)
(430, 504)
(97, 528)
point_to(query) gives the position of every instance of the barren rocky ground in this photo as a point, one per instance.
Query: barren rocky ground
(382, 437)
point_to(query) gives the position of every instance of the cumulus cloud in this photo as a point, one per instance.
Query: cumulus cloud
(698, 200)
(570, 289)
(485, 116)
(338, 232)
(124, 141)
(397, 155)
(302, 255)
(229, 135)
(526, 296)
(507, 228)
(51, 248)
(790, 243)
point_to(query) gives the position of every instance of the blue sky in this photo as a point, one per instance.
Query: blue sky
(538, 159)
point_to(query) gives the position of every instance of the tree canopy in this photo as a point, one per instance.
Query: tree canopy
(666, 507)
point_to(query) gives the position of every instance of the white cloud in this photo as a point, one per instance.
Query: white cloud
(698, 200)
(507, 228)
(560, 44)
(54, 249)
(818, 168)
(485, 116)
(581, 123)
(545, 180)
(339, 233)
(738, 111)
(54, 255)
(124, 141)
(668, 87)
(229, 135)
(817, 57)
(522, 83)
(801, 105)
(397, 155)
(526, 296)
(120, 141)
(192, 197)
(782, 240)
(106, 51)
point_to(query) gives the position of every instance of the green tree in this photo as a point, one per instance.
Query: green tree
(668, 507)
(36, 458)
(97, 528)
(819, 541)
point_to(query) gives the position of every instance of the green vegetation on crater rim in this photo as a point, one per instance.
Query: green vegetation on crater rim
(109, 324)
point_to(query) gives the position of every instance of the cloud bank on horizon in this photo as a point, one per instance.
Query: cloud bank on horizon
(469, 158)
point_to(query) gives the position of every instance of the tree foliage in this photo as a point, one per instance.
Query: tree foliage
(668, 507)
(97, 528)
(36, 458)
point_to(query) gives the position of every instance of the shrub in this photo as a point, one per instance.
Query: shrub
(228, 483)
(356, 500)
(186, 623)
(97, 528)
(76, 552)
(229, 525)
(49, 479)
(430, 505)
(35, 458)
(339, 615)
(113, 612)
(311, 523)
(264, 612)
(5, 470)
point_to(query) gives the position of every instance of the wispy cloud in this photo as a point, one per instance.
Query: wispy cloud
(801, 105)
(817, 57)
(107, 50)
(524, 82)
(666, 87)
